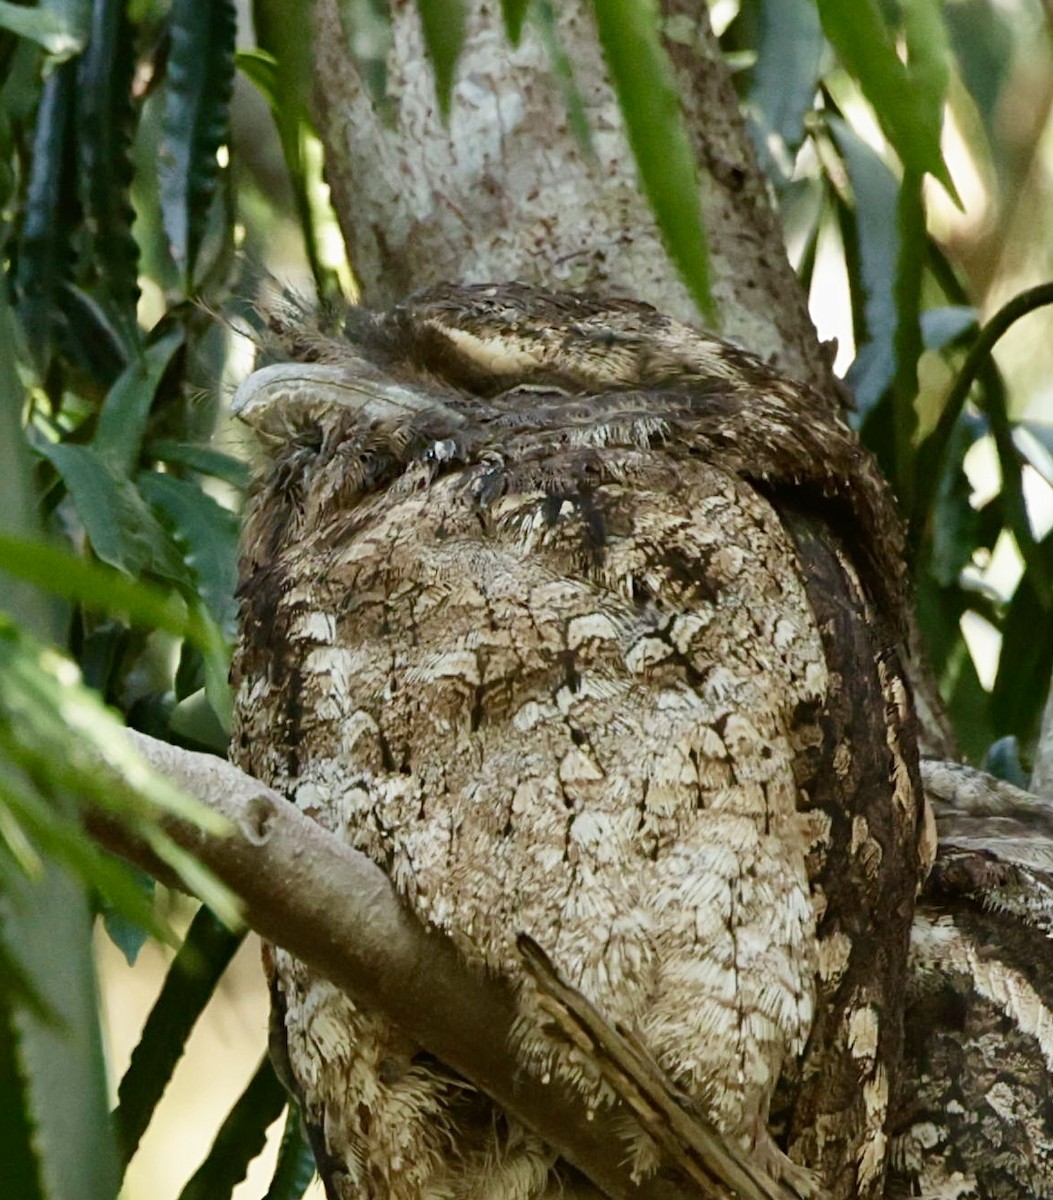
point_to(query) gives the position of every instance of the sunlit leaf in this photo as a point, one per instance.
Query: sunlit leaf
(642, 77)
(60, 835)
(443, 23)
(188, 987)
(240, 1138)
(60, 26)
(64, 739)
(195, 122)
(902, 103)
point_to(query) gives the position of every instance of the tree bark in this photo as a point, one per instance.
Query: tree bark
(505, 190)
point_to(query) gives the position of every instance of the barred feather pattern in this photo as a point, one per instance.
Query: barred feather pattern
(521, 622)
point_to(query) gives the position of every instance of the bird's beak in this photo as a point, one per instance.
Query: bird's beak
(280, 399)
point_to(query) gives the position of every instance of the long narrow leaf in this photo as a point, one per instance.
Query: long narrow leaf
(866, 48)
(188, 987)
(105, 120)
(44, 252)
(295, 1167)
(908, 341)
(61, 1059)
(789, 50)
(642, 77)
(202, 459)
(196, 121)
(443, 23)
(514, 13)
(101, 588)
(240, 1138)
(875, 232)
(21, 1175)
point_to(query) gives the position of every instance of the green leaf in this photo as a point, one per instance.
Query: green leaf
(105, 119)
(63, 840)
(195, 122)
(908, 345)
(122, 421)
(60, 26)
(240, 1138)
(786, 75)
(102, 588)
(563, 72)
(287, 92)
(127, 935)
(110, 591)
(194, 720)
(874, 234)
(208, 535)
(202, 459)
(955, 523)
(44, 252)
(59, 735)
(122, 529)
(188, 987)
(21, 1180)
(642, 78)
(443, 24)
(903, 97)
(61, 1060)
(295, 1167)
(514, 13)
(1025, 663)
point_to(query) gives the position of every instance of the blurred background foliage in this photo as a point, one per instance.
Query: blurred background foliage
(156, 160)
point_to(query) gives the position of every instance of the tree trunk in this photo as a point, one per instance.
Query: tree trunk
(505, 190)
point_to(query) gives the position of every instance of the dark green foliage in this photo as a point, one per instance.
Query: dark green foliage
(240, 1137)
(295, 1167)
(195, 122)
(192, 978)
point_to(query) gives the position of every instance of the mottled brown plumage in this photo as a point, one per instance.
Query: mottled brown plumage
(585, 626)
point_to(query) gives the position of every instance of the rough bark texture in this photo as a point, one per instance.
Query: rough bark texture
(506, 191)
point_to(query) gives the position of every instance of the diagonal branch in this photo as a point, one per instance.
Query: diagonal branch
(336, 910)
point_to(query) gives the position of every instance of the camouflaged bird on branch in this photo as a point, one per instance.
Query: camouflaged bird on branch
(588, 628)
